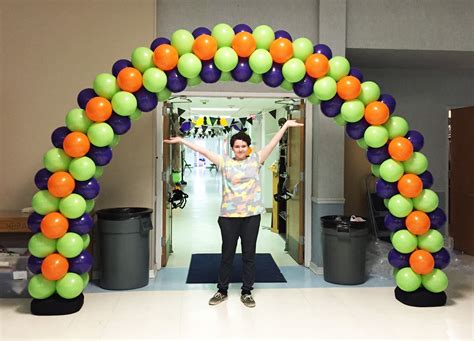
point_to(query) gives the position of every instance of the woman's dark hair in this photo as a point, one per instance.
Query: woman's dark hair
(240, 136)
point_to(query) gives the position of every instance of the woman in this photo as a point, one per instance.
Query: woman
(241, 206)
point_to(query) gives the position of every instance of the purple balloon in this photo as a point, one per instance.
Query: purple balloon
(119, 65)
(389, 102)
(186, 126)
(437, 217)
(34, 222)
(242, 72)
(273, 77)
(356, 73)
(393, 223)
(377, 155)
(100, 155)
(81, 264)
(332, 107)
(242, 28)
(283, 34)
(397, 259)
(88, 189)
(146, 100)
(323, 49)
(84, 96)
(385, 189)
(416, 139)
(209, 72)
(356, 130)
(159, 41)
(34, 264)
(120, 124)
(304, 87)
(58, 136)
(81, 225)
(41, 178)
(427, 179)
(441, 258)
(176, 82)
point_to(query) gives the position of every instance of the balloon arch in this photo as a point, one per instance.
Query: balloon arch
(68, 182)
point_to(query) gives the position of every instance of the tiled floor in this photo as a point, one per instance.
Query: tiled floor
(306, 307)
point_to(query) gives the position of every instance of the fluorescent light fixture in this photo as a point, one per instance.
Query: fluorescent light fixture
(214, 109)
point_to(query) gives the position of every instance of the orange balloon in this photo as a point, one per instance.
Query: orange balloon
(76, 144)
(418, 222)
(244, 44)
(281, 50)
(129, 79)
(421, 262)
(165, 57)
(400, 149)
(317, 65)
(376, 113)
(99, 109)
(205, 47)
(54, 267)
(61, 184)
(54, 225)
(410, 185)
(348, 88)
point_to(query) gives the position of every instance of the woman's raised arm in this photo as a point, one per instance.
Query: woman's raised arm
(213, 157)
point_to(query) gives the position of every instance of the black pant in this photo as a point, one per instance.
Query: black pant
(231, 229)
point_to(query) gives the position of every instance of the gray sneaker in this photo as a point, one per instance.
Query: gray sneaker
(247, 300)
(217, 298)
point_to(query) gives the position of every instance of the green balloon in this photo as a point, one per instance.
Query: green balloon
(338, 67)
(100, 134)
(85, 279)
(260, 61)
(194, 81)
(385, 203)
(40, 287)
(77, 120)
(115, 141)
(394, 272)
(70, 245)
(40, 246)
(416, 164)
(154, 80)
(407, 279)
(313, 98)
(325, 88)
(82, 168)
(183, 41)
(99, 171)
(136, 115)
(294, 70)
(56, 160)
(370, 92)
(142, 59)
(226, 59)
(70, 286)
(361, 143)
(391, 170)
(352, 111)
(339, 120)
(225, 77)
(72, 206)
(302, 48)
(90, 205)
(376, 136)
(44, 202)
(164, 94)
(431, 241)
(256, 78)
(399, 206)
(264, 36)
(426, 201)
(436, 281)
(404, 241)
(289, 86)
(396, 126)
(124, 103)
(105, 85)
(375, 169)
(86, 240)
(224, 34)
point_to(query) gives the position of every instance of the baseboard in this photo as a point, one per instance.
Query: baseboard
(96, 274)
(316, 269)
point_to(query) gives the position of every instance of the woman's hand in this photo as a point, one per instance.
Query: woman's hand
(293, 123)
(173, 140)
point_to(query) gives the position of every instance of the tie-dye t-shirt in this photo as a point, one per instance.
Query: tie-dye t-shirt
(241, 188)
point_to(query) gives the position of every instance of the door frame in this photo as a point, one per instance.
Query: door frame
(158, 133)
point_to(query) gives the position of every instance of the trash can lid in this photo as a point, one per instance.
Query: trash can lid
(123, 213)
(334, 221)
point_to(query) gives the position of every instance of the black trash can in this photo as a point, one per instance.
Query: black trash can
(344, 248)
(124, 247)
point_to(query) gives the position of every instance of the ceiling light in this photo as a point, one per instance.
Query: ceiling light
(214, 109)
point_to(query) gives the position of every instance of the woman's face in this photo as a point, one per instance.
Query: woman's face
(240, 149)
